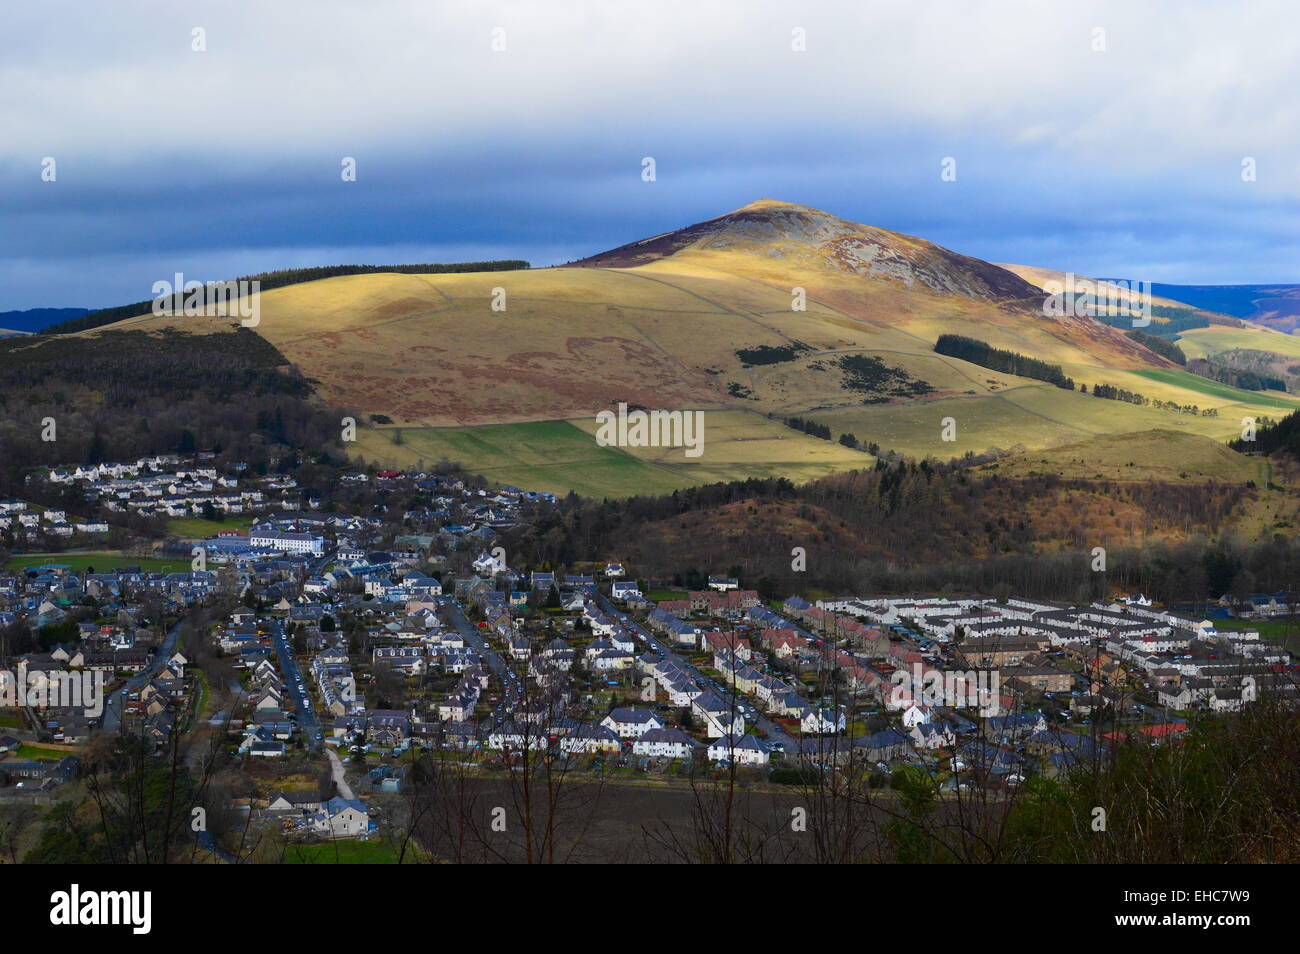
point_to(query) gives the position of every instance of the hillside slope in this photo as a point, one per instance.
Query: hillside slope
(701, 317)
(775, 310)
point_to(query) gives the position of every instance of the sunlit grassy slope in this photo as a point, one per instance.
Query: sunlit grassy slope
(1207, 342)
(459, 359)
(549, 456)
(558, 456)
(1142, 455)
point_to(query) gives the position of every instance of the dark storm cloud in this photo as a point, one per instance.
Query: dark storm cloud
(1118, 161)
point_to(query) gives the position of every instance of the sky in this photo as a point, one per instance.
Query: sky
(1106, 139)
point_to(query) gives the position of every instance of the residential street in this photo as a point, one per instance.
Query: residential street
(307, 721)
(774, 732)
(113, 705)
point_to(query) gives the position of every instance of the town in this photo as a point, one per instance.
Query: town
(322, 654)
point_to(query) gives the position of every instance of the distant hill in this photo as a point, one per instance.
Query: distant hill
(1273, 306)
(776, 309)
(37, 319)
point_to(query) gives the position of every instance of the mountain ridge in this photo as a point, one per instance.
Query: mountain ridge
(777, 229)
(775, 309)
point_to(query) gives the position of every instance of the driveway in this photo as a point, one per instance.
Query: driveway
(336, 769)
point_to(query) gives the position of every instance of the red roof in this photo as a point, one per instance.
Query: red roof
(1164, 729)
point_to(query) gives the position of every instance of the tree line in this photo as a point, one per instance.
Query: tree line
(912, 526)
(999, 359)
(1161, 346)
(1241, 378)
(281, 278)
(125, 394)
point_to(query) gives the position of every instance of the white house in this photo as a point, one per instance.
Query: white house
(632, 723)
(346, 817)
(719, 718)
(668, 743)
(590, 739)
(930, 735)
(743, 750)
(287, 542)
(822, 722)
(915, 715)
(625, 590)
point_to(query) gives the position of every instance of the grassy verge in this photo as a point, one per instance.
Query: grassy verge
(377, 851)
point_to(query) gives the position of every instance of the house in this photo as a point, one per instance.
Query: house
(625, 590)
(788, 704)
(1017, 726)
(915, 714)
(286, 542)
(612, 659)
(346, 817)
(632, 723)
(883, 746)
(743, 750)
(294, 801)
(720, 718)
(39, 774)
(665, 743)
(271, 697)
(590, 739)
(933, 735)
(408, 659)
(822, 722)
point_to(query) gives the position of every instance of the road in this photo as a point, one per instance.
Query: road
(113, 706)
(774, 732)
(307, 721)
(510, 681)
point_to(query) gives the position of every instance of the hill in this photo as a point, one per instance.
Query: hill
(775, 310)
(1165, 455)
(1271, 306)
(33, 320)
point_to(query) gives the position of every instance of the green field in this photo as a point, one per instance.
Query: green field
(198, 528)
(1035, 416)
(1282, 631)
(101, 561)
(548, 456)
(739, 445)
(1030, 416)
(375, 852)
(1192, 382)
(559, 456)
(37, 753)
